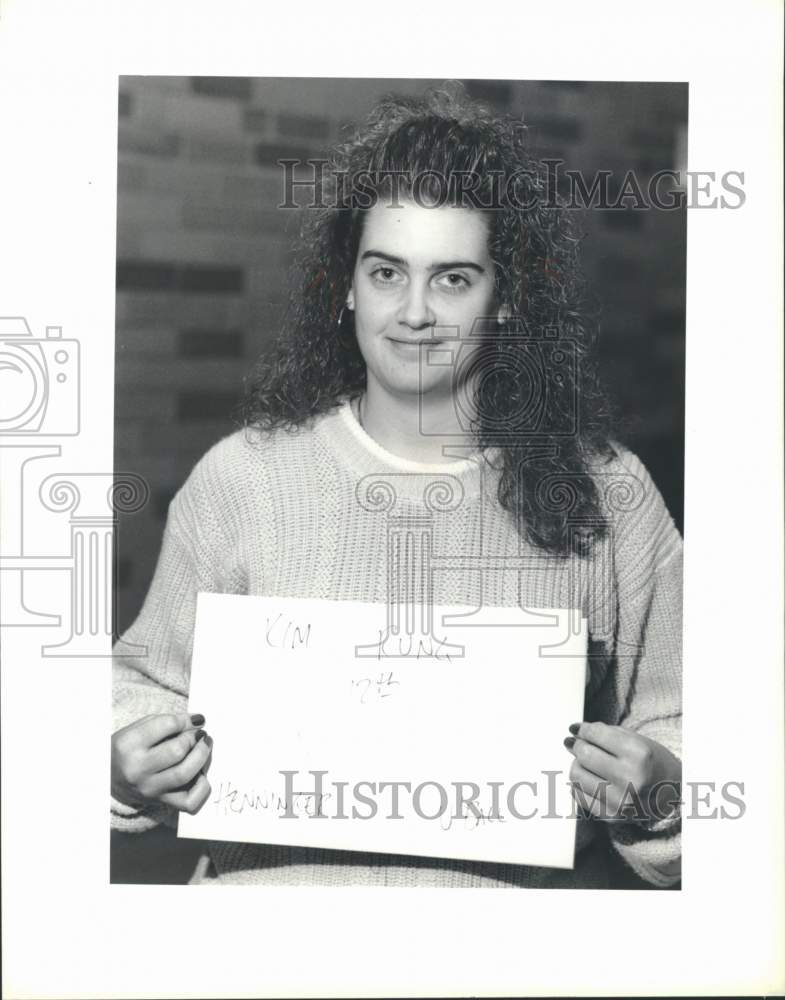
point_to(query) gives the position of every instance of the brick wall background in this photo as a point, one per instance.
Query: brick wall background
(202, 254)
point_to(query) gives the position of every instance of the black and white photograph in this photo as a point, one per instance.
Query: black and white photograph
(426, 357)
(391, 438)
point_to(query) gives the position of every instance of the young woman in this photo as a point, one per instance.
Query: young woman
(439, 231)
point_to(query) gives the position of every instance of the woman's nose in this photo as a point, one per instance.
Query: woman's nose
(415, 311)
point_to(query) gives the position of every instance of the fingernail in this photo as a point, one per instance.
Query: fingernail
(574, 728)
(197, 720)
(569, 742)
(200, 735)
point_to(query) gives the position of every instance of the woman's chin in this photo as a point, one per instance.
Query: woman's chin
(429, 391)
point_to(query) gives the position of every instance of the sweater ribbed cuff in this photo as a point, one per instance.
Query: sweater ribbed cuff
(653, 855)
(664, 823)
(135, 819)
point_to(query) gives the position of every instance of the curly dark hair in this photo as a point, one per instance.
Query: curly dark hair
(316, 364)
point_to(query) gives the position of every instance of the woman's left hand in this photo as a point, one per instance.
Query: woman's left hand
(619, 775)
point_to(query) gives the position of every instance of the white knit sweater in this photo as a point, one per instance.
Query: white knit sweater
(289, 513)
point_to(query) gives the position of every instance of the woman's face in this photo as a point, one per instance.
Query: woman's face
(422, 275)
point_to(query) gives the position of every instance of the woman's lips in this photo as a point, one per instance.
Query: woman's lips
(414, 343)
(411, 350)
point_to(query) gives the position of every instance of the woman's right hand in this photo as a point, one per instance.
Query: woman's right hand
(162, 758)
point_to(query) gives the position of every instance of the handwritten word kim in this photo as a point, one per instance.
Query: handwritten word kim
(282, 633)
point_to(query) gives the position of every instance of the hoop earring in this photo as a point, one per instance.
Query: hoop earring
(346, 341)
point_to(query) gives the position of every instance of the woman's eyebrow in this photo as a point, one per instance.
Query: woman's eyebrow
(383, 256)
(443, 266)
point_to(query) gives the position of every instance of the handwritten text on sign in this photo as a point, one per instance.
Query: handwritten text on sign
(329, 731)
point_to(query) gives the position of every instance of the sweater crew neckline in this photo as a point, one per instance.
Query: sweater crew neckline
(354, 447)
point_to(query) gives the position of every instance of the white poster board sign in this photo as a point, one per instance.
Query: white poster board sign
(443, 740)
